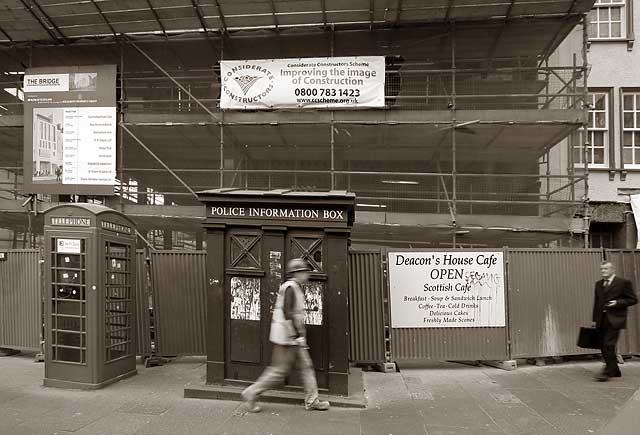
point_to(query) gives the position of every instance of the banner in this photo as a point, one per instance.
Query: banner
(70, 130)
(439, 289)
(327, 82)
(635, 208)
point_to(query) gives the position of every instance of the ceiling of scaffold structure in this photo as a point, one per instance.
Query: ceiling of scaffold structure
(62, 21)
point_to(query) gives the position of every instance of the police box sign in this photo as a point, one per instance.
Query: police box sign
(280, 213)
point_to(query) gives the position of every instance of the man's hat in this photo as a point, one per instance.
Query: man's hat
(298, 265)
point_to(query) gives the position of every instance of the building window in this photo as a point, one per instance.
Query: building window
(597, 132)
(631, 128)
(607, 20)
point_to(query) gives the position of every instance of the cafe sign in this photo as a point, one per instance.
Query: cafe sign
(447, 289)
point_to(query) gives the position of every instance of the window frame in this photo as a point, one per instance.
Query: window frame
(626, 26)
(608, 137)
(626, 91)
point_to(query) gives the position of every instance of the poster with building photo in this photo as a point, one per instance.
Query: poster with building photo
(70, 130)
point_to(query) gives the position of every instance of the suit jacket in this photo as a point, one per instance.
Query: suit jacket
(621, 291)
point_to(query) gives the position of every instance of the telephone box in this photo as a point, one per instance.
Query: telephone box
(90, 296)
(250, 237)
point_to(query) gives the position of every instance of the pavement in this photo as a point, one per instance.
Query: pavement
(435, 399)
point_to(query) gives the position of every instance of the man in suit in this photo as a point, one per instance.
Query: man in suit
(613, 295)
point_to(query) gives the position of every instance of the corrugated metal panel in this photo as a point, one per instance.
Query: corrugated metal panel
(452, 344)
(21, 300)
(179, 302)
(550, 296)
(628, 266)
(143, 324)
(366, 312)
(449, 343)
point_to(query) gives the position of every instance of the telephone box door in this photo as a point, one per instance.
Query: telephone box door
(70, 347)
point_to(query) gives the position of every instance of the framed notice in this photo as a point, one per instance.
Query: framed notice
(325, 82)
(68, 246)
(447, 289)
(70, 130)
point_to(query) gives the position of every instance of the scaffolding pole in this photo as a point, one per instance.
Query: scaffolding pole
(454, 189)
(585, 41)
(121, 130)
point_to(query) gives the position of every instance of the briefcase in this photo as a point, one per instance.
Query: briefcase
(589, 338)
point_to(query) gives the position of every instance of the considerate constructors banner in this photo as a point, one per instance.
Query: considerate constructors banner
(327, 83)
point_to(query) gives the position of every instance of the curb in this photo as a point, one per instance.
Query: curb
(224, 392)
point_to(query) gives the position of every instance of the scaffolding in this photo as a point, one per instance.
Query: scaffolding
(473, 101)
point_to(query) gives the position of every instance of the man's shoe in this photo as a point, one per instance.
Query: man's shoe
(318, 405)
(616, 375)
(601, 377)
(250, 402)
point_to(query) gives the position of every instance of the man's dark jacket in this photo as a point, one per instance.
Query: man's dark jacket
(621, 291)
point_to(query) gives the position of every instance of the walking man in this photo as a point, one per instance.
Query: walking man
(288, 335)
(613, 295)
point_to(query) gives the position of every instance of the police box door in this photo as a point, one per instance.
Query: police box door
(246, 324)
(255, 269)
(309, 245)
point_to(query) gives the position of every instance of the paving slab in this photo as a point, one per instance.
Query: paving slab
(627, 421)
(118, 423)
(385, 421)
(71, 418)
(272, 420)
(183, 426)
(337, 421)
(212, 410)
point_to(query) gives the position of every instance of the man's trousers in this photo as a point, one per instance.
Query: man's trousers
(609, 339)
(282, 361)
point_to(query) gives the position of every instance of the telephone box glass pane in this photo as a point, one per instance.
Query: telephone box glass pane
(68, 300)
(118, 301)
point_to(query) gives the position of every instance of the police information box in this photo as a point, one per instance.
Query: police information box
(250, 237)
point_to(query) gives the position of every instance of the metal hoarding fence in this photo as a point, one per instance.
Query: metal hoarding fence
(21, 300)
(550, 297)
(548, 294)
(366, 308)
(143, 305)
(179, 302)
